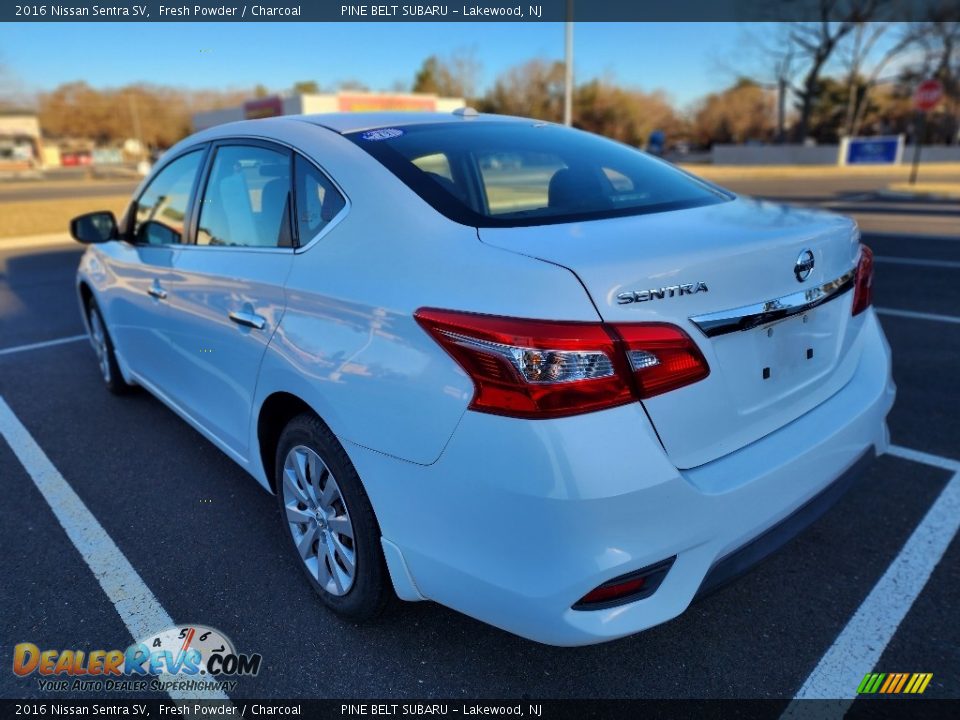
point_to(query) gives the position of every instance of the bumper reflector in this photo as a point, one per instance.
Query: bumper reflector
(636, 585)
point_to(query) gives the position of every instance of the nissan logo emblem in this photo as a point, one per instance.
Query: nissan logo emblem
(803, 266)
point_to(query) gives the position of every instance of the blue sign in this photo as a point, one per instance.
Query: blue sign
(885, 150)
(656, 142)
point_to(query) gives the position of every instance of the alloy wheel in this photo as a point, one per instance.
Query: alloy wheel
(98, 338)
(319, 520)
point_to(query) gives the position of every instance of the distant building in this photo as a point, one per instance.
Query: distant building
(20, 146)
(347, 101)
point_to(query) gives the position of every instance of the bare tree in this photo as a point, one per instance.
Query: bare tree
(770, 60)
(861, 80)
(12, 93)
(306, 87)
(865, 37)
(784, 70)
(940, 40)
(158, 116)
(454, 76)
(737, 114)
(625, 114)
(466, 68)
(533, 89)
(352, 85)
(817, 41)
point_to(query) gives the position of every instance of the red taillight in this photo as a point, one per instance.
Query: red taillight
(662, 357)
(863, 284)
(544, 368)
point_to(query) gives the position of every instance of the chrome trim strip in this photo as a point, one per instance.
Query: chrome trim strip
(751, 316)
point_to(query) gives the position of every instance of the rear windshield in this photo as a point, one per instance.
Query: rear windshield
(505, 174)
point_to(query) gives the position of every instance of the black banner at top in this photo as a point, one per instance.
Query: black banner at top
(478, 11)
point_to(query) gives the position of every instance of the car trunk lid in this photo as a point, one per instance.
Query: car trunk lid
(696, 269)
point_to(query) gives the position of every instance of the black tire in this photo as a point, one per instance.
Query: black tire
(106, 357)
(371, 588)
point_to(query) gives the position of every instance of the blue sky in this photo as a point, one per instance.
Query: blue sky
(687, 60)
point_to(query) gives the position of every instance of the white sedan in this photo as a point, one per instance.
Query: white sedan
(520, 370)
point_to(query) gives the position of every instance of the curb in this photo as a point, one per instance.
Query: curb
(47, 240)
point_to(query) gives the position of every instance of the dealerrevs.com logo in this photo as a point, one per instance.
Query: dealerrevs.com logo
(182, 657)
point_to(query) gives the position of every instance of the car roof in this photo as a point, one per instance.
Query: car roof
(354, 121)
(340, 123)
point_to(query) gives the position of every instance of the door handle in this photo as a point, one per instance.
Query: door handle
(248, 319)
(158, 292)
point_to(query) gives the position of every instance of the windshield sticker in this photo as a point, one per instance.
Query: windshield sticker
(382, 134)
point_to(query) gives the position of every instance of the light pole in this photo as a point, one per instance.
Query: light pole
(568, 72)
(135, 113)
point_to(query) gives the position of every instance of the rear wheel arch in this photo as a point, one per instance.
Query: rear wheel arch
(276, 411)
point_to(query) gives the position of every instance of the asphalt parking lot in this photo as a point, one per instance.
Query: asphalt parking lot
(205, 539)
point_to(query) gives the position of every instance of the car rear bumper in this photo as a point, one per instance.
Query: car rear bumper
(518, 520)
(743, 559)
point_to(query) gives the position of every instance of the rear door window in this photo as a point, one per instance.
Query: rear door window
(318, 201)
(247, 199)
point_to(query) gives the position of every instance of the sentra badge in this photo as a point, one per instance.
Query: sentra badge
(625, 298)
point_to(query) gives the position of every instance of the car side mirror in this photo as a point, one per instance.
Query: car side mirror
(95, 227)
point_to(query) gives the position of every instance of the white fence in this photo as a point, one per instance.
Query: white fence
(933, 153)
(814, 155)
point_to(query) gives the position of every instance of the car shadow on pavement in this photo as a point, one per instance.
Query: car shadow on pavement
(37, 299)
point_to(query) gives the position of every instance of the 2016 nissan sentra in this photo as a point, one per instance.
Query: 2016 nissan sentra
(523, 371)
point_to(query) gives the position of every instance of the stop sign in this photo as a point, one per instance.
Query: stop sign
(927, 95)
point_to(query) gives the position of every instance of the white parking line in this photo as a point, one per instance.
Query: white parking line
(918, 456)
(137, 606)
(918, 315)
(45, 344)
(916, 261)
(862, 642)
